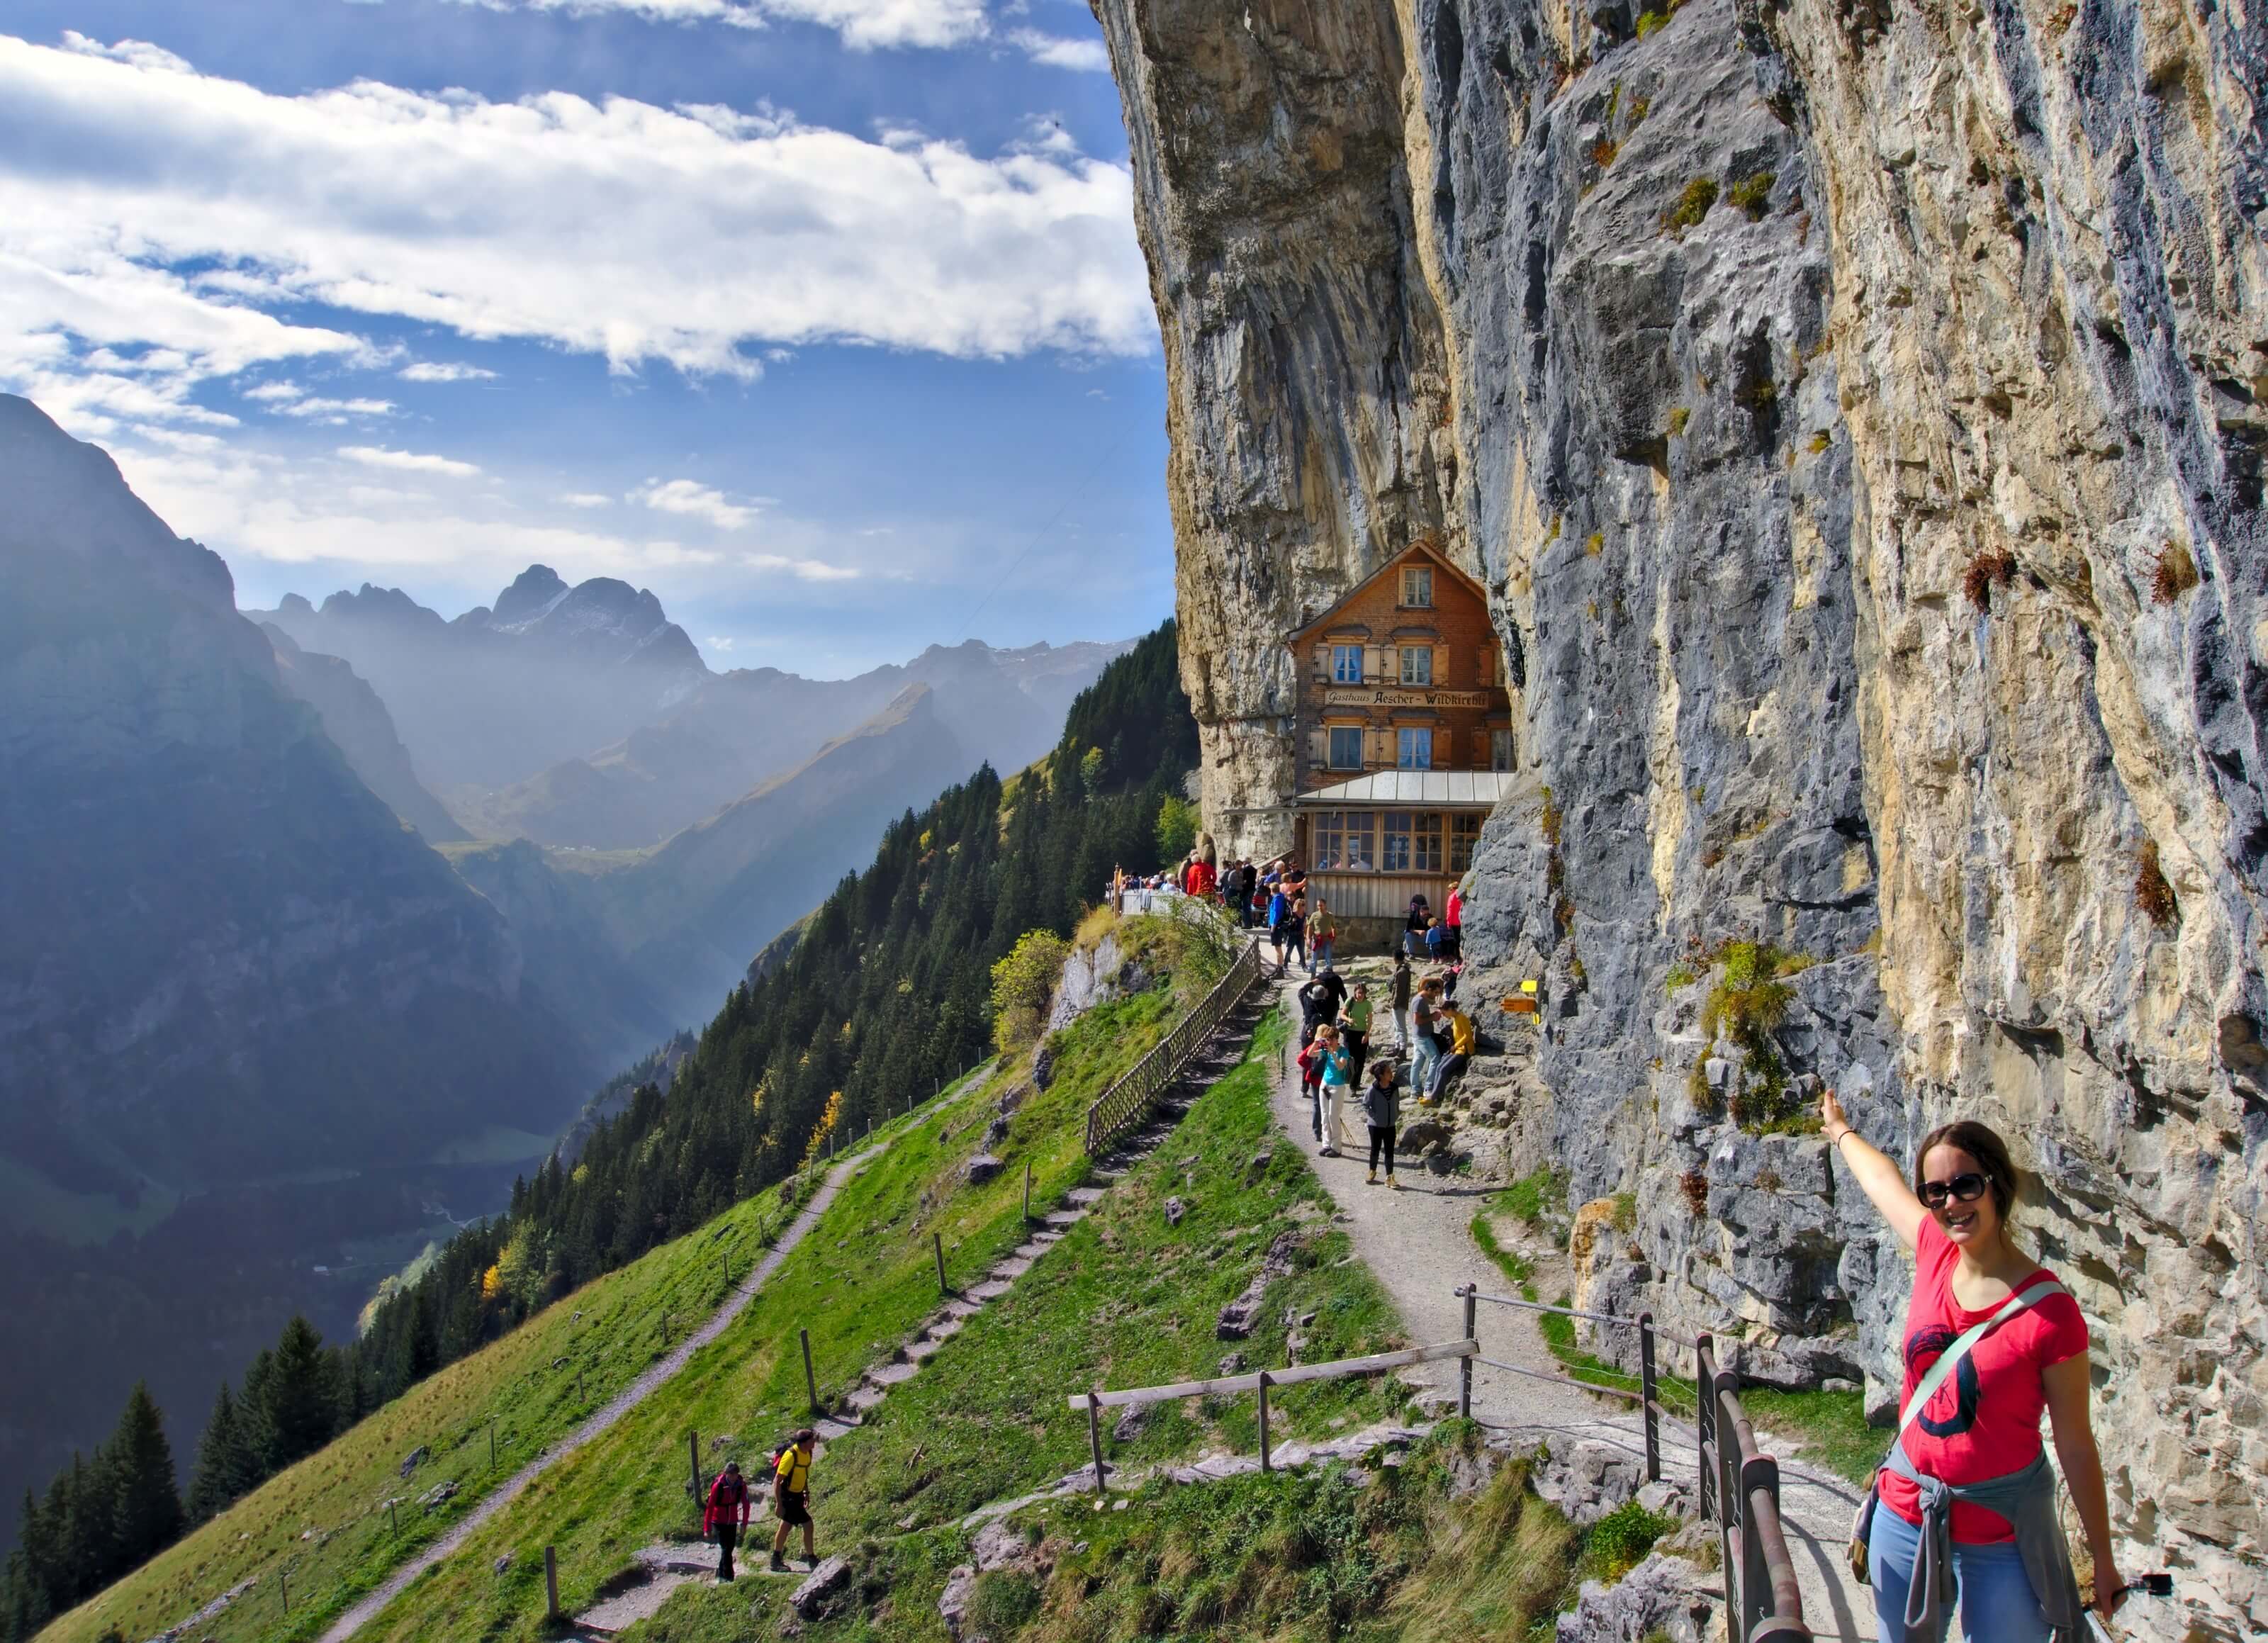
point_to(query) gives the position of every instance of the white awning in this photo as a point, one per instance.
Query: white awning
(1477, 790)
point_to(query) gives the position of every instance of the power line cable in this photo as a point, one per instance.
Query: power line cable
(968, 624)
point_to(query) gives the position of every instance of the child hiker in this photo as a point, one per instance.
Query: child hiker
(1381, 1105)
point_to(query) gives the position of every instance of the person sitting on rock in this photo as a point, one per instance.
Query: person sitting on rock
(1463, 1037)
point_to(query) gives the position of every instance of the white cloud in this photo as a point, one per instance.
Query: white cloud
(802, 570)
(695, 501)
(334, 411)
(274, 393)
(1088, 56)
(144, 205)
(720, 644)
(862, 24)
(587, 499)
(408, 461)
(434, 371)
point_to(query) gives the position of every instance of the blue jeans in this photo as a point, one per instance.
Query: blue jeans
(1996, 1601)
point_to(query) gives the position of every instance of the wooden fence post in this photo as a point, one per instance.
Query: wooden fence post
(550, 1584)
(1265, 1464)
(492, 1446)
(392, 1518)
(1095, 1437)
(937, 1243)
(1471, 1293)
(693, 1451)
(1028, 1190)
(810, 1385)
(284, 1585)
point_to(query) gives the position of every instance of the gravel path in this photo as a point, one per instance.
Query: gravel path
(1417, 1243)
(628, 1399)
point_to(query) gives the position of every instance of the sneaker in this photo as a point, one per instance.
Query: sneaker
(1392, 1184)
(779, 1564)
(1370, 1179)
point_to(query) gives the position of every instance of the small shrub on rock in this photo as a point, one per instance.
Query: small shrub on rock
(2152, 894)
(1619, 1540)
(2176, 575)
(1985, 570)
(1692, 205)
(1753, 195)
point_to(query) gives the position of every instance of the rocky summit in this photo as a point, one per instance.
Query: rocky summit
(1852, 413)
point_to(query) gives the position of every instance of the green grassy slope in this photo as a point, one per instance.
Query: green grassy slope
(322, 1522)
(1125, 1300)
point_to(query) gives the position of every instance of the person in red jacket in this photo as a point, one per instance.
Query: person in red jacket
(1453, 923)
(727, 1514)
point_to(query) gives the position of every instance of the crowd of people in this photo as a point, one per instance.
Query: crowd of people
(1344, 1059)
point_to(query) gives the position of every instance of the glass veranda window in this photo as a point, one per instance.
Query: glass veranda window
(1398, 828)
(1425, 843)
(1464, 835)
(1344, 841)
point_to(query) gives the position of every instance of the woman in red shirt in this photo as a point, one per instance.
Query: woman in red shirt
(1978, 1433)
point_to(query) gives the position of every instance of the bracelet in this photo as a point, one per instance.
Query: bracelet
(1837, 1143)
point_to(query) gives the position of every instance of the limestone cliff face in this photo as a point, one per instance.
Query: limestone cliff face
(1854, 412)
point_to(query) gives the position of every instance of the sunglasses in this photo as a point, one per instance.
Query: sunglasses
(1963, 1188)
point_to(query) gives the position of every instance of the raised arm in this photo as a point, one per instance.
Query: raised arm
(1883, 1182)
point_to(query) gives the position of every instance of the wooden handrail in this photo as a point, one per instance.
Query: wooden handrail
(1116, 1108)
(1740, 1489)
(1222, 1386)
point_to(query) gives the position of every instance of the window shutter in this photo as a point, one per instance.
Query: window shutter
(1382, 746)
(1318, 746)
(1322, 662)
(1373, 663)
(1485, 659)
(1481, 745)
(1441, 664)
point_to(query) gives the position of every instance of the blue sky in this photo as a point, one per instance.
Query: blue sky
(823, 318)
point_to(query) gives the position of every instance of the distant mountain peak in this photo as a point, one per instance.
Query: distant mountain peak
(532, 593)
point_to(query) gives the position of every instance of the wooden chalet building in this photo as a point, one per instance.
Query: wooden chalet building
(1404, 737)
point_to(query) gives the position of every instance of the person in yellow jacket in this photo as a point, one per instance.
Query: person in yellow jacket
(791, 1497)
(1464, 1038)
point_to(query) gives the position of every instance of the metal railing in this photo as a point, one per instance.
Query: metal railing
(1120, 1106)
(1740, 1493)
(1337, 1368)
(1647, 1397)
(1739, 1485)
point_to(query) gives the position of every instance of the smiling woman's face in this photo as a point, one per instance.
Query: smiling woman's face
(1970, 1225)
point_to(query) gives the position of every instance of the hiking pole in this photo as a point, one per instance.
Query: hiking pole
(2158, 1583)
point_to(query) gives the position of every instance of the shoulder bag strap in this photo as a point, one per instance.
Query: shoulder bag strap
(1950, 1358)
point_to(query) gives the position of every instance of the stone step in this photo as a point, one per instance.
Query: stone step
(1012, 1269)
(922, 1350)
(865, 1396)
(892, 1375)
(830, 1427)
(1065, 1219)
(990, 1289)
(943, 1327)
(1081, 1197)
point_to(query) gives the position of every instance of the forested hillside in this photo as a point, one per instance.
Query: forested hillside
(884, 994)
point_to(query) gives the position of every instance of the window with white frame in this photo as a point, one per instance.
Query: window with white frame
(1417, 587)
(1346, 747)
(1413, 749)
(1346, 664)
(1417, 663)
(1344, 841)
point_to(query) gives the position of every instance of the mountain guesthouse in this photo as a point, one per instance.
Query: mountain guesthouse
(1404, 737)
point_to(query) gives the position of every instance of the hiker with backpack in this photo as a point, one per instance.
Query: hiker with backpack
(1403, 980)
(792, 1497)
(1963, 1508)
(726, 1515)
(1464, 1038)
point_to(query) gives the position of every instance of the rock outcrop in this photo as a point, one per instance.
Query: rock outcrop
(1855, 414)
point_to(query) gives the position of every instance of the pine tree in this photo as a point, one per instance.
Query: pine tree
(146, 1497)
(227, 1466)
(298, 1398)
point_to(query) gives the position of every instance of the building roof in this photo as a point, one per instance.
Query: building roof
(1423, 547)
(1474, 789)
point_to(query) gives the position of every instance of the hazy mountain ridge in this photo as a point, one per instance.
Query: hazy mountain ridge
(358, 722)
(737, 730)
(231, 969)
(502, 692)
